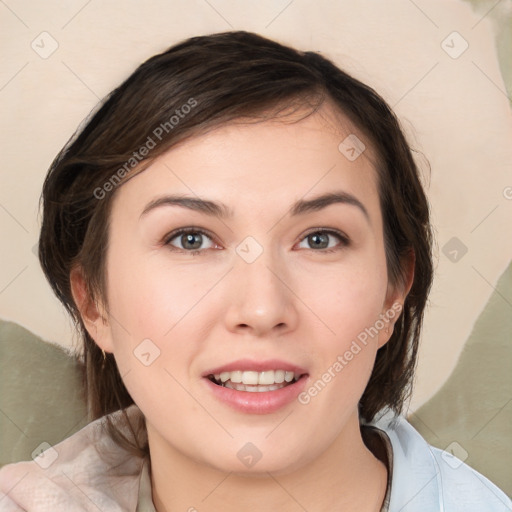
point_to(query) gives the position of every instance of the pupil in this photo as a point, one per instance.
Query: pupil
(319, 240)
(189, 237)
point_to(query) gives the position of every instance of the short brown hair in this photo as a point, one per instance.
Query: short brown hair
(224, 77)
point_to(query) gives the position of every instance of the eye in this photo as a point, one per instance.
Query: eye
(322, 238)
(189, 240)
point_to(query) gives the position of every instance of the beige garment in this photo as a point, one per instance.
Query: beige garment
(86, 472)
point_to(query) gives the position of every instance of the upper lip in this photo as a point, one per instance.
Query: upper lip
(256, 366)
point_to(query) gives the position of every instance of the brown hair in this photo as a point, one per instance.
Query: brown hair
(194, 86)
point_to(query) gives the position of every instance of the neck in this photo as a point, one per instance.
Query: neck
(346, 476)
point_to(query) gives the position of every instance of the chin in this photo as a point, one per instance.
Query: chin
(253, 464)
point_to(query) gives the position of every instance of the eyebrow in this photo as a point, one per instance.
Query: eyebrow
(222, 211)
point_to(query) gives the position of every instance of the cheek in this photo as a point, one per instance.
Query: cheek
(162, 310)
(151, 298)
(147, 309)
(347, 298)
(349, 303)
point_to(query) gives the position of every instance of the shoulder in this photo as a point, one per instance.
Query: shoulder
(86, 471)
(427, 478)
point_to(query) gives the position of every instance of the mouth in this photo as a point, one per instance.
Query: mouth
(256, 387)
(255, 382)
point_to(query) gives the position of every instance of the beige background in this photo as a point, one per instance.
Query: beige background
(455, 110)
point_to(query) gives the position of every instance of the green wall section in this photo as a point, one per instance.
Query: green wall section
(40, 393)
(474, 407)
(501, 17)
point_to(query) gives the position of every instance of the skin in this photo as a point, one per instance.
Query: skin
(295, 302)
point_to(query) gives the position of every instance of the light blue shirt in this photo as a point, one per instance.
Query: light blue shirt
(427, 479)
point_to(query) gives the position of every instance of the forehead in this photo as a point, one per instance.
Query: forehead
(258, 166)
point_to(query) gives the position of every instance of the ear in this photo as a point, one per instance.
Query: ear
(93, 314)
(395, 299)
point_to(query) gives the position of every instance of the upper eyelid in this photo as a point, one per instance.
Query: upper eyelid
(330, 231)
(180, 231)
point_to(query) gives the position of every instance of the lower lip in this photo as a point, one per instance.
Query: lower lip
(264, 402)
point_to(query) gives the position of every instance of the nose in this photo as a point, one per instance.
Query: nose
(261, 298)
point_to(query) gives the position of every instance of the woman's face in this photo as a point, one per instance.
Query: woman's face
(270, 278)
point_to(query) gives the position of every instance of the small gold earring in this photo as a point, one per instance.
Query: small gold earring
(104, 355)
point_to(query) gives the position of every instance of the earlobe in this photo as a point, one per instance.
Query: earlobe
(92, 314)
(387, 331)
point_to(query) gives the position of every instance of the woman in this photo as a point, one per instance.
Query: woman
(241, 235)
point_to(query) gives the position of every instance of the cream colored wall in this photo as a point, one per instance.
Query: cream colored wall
(455, 110)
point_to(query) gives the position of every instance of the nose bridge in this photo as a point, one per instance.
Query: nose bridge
(261, 300)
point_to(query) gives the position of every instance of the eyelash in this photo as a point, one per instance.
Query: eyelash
(345, 241)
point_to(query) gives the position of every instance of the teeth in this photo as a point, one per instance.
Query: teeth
(279, 376)
(288, 376)
(255, 380)
(267, 378)
(250, 378)
(253, 389)
(236, 376)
